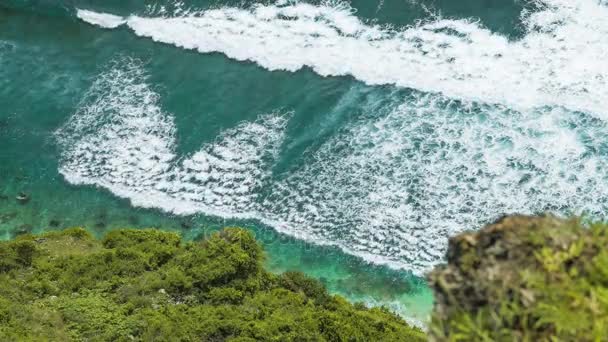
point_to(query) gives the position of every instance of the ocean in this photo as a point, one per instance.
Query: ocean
(352, 137)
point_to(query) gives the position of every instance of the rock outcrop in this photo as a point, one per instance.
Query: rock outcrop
(524, 278)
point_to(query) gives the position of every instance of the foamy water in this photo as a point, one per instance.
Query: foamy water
(100, 19)
(390, 187)
(494, 126)
(559, 62)
(121, 139)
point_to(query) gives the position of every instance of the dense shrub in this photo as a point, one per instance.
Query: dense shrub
(147, 285)
(524, 279)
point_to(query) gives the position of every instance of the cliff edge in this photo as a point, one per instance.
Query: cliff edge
(524, 279)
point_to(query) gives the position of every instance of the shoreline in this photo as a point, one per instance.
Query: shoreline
(98, 211)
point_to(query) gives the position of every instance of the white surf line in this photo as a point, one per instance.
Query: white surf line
(104, 20)
(559, 62)
(389, 188)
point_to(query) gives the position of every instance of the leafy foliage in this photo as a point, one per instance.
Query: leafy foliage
(148, 285)
(524, 279)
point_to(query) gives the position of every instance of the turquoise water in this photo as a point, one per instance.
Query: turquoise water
(352, 137)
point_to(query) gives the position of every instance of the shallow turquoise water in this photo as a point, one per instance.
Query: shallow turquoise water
(352, 138)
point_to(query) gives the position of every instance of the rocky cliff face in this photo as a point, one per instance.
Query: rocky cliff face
(524, 278)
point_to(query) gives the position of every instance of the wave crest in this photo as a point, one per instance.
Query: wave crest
(559, 61)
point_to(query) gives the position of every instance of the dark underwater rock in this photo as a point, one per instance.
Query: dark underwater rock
(24, 229)
(100, 225)
(133, 219)
(23, 198)
(7, 217)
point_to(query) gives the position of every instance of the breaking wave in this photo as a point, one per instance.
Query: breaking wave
(120, 139)
(560, 61)
(388, 187)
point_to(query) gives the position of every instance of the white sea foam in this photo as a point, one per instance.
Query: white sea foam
(120, 139)
(561, 60)
(394, 187)
(104, 20)
(495, 126)
(389, 187)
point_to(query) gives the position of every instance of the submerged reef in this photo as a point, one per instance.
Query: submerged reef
(524, 279)
(149, 285)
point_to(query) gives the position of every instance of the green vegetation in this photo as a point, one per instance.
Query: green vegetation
(524, 279)
(148, 285)
(520, 279)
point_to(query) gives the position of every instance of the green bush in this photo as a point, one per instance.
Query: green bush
(146, 285)
(520, 279)
(312, 288)
(524, 279)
